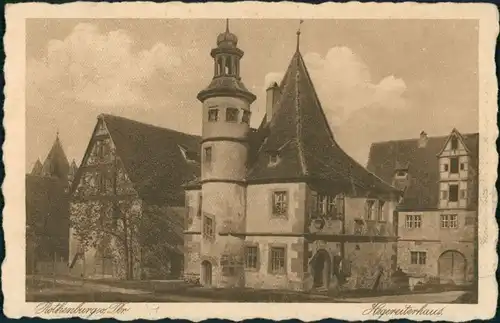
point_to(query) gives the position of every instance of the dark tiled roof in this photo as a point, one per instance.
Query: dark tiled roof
(300, 132)
(56, 163)
(423, 166)
(153, 159)
(227, 84)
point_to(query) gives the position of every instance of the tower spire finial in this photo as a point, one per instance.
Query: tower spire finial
(227, 25)
(298, 35)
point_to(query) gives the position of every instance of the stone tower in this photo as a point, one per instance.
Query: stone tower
(226, 117)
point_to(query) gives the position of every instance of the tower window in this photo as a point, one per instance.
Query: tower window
(280, 203)
(246, 117)
(231, 115)
(454, 143)
(208, 155)
(454, 165)
(453, 195)
(213, 114)
(228, 68)
(220, 66)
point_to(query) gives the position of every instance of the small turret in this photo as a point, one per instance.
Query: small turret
(37, 168)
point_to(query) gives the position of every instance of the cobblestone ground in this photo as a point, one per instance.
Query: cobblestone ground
(66, 289)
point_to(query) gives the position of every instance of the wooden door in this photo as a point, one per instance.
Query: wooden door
(452, 267)
(207, 273)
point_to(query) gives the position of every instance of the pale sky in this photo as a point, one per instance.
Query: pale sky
(377, 80)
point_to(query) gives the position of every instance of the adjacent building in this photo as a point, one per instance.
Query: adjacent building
(47, 211)
(127, 200)
(437, 217)
(282, 206)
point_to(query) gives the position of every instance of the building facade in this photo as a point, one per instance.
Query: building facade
(437, 218)
(282, 206)
(127, 202)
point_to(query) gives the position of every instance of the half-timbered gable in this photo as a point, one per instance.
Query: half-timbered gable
(131, 173)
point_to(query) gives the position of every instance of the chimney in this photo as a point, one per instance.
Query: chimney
(422, 141)
(272, 97)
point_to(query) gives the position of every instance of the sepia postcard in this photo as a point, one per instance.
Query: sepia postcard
(250, 160)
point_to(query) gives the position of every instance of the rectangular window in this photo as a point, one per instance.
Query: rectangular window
(246, 117)
(208, 155)
(326, 205)
(462, 166)
(231, 115)
(413, 221)
(463, 194)
(454, 165)
(445, 167)
(453, 194)
(208, 227)
(449, 221)
(444, 195)
(380, 211)
(418, 257)
(213, 115)
(277, 260)
(280, 203)
(454, 143)
(251, 257)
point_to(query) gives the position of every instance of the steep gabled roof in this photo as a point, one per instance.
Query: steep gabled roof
(307, 148)
(152, 158)
(458, 135)
(423, 166)
(56, 164)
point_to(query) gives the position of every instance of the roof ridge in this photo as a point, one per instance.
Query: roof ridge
(298, 111)
(428, 137)
(106, 115)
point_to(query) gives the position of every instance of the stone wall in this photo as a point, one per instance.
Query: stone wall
(433, 251)
(367, 261)
(292, 278)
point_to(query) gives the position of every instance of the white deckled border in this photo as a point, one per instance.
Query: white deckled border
(14, 147)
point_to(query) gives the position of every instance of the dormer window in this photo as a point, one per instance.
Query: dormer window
(274, 158)
(401, 174)
(213, 114)
(232, 115)
(189, 156)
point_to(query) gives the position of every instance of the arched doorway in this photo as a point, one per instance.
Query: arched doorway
(206, 273)
(320, 268)
(451, 267)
